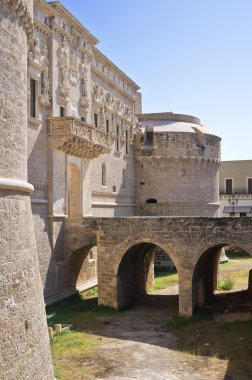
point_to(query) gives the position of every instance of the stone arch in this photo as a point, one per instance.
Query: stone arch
(74, 192)
(204, 278)
(133, 272)
(83, 268)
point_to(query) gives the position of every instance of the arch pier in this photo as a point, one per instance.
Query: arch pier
(125, 249)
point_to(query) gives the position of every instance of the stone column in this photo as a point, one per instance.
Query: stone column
(24, 343)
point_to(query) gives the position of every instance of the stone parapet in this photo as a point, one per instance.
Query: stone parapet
(77, 137)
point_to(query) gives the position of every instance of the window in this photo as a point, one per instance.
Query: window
(114, 189)
(103, 175)
(107, 126)
(83, 119)
(127, 143)
(124, 179)
(32, 98)
(249, 185)
(117, 137)
(243, 214)
(96, 120)
(229, 186)
(62, 111)
(232, 213)
(149, 138)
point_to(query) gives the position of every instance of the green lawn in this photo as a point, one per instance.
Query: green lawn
(76, 344)
(236, 270)
(163, 279)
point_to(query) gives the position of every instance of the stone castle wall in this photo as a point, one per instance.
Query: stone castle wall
(186, 169)
(24, 340)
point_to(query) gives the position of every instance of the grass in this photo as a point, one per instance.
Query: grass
(69, 350)
(163, 279)
(74, 347)
(227, 284)
(230, 341)
(236, 271)
(91, 292)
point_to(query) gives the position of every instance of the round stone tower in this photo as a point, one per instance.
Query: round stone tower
(177, 166)
(24, 343)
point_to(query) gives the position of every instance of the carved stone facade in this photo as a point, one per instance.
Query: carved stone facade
(85, 133)
(90, 153)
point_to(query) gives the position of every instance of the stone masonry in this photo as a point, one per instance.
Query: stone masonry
(193, 244)
(24, 343)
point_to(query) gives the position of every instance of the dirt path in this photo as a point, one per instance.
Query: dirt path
(137, 345)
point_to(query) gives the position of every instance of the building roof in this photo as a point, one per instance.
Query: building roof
(170, 122)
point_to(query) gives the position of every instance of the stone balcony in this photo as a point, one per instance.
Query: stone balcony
(76, 137)
(239, 195)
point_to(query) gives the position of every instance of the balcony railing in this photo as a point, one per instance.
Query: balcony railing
(76, 137)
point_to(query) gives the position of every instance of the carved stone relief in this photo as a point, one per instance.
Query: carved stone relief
(45, 99)
(63, 87)
(84, 101)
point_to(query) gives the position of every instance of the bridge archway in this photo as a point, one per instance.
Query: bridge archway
(205, 280)
(83, 268)
(135, 274)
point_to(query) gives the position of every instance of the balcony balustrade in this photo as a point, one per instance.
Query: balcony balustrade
(77, 137)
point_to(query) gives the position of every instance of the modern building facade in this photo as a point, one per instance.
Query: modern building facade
(236, 188)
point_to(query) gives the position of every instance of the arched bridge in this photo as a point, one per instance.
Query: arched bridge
(193, 243)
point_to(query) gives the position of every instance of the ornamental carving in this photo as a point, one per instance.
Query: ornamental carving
(63, 63)
(73, 70)
(98, 94)
(77, 138)
(128, 114)
(45, 99)
(119, 108)
(84, 101)
(24, 14)
(35, 53)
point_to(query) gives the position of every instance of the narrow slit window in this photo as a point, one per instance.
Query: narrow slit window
(127, 143)
(96, 120)
(103, 175)
(32, 98)
(117, 137)
(107, 126)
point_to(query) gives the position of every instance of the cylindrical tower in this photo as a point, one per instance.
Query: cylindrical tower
(177, 166)
(24, 343)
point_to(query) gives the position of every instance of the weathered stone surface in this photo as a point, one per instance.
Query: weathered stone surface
(193, 244)
(25, 352)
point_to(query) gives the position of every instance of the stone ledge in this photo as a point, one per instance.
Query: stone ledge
(16, 185)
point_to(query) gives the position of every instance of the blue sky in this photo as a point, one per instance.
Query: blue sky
(188, 56)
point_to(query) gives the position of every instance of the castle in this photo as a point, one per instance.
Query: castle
(75, 145)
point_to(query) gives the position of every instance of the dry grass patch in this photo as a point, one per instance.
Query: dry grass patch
(231, 341)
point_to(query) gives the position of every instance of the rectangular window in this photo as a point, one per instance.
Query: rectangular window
(127, 143)
(83, 119)
(229, 186)
(249, 185)
(62, 111)
(96, 120)
(149, 138)
(107, 126)
(32, 98)
(117, 137)
(243, 214)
